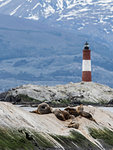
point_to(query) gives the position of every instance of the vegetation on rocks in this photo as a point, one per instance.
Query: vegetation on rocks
(23, 140)
(31, 140)
(23, 99)
(105, 136)
(26, 98)
(75, 141)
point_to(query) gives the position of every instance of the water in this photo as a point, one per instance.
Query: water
(110, 109)
(107, 109)
(27, 108)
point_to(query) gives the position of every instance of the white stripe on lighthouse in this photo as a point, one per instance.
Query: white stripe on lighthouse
(86, 65)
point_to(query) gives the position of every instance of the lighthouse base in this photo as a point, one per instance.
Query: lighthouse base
(86, 76)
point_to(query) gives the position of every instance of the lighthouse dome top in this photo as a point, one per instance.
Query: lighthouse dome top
(86, 46)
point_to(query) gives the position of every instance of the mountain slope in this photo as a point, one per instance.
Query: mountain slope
(34, 53)
(74, 13)
(49, 49)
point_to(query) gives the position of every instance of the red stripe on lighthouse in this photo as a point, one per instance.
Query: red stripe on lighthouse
(86, 64)
(86, 55)
(86, 76)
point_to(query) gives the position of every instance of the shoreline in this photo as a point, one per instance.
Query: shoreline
(32, 104)
(29, 108)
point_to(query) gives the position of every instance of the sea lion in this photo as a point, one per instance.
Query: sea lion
(35, 111)
(43, 108)
(73, 124)
(82, 113)
(79, 109)
(66, 115)
(61, 114)
(71, 111)
(88, 116)
(75, 111)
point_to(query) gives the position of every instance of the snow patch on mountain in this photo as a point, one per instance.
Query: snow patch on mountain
(15, 10)
(48, 10)
(5, 3)
(60, 4)
(34, 17)
(38, 4)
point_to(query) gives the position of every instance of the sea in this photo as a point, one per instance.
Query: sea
(110, 109)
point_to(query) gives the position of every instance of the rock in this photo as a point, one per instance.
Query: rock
(111, 102)
(34, 131)
(13, 99)
(3, 95)
(83, 92)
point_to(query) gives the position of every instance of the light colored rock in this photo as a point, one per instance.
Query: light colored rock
(83, 91)
(14, 117)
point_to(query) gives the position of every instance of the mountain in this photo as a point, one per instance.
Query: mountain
(76, 14)
(41, 42)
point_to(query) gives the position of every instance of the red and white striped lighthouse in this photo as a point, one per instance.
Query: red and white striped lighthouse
(86, 64)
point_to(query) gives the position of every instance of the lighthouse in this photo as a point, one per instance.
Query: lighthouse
(86, 64)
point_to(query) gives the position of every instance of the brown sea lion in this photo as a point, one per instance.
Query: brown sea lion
(35, 111)
(82, 113)
(43, 108)
(79, 109)
(66, 114)
(72, 111)
(61, 114)
(88, 116)
(75, 111)
(73, 125)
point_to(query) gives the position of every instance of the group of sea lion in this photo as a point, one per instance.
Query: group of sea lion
(67, 113)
